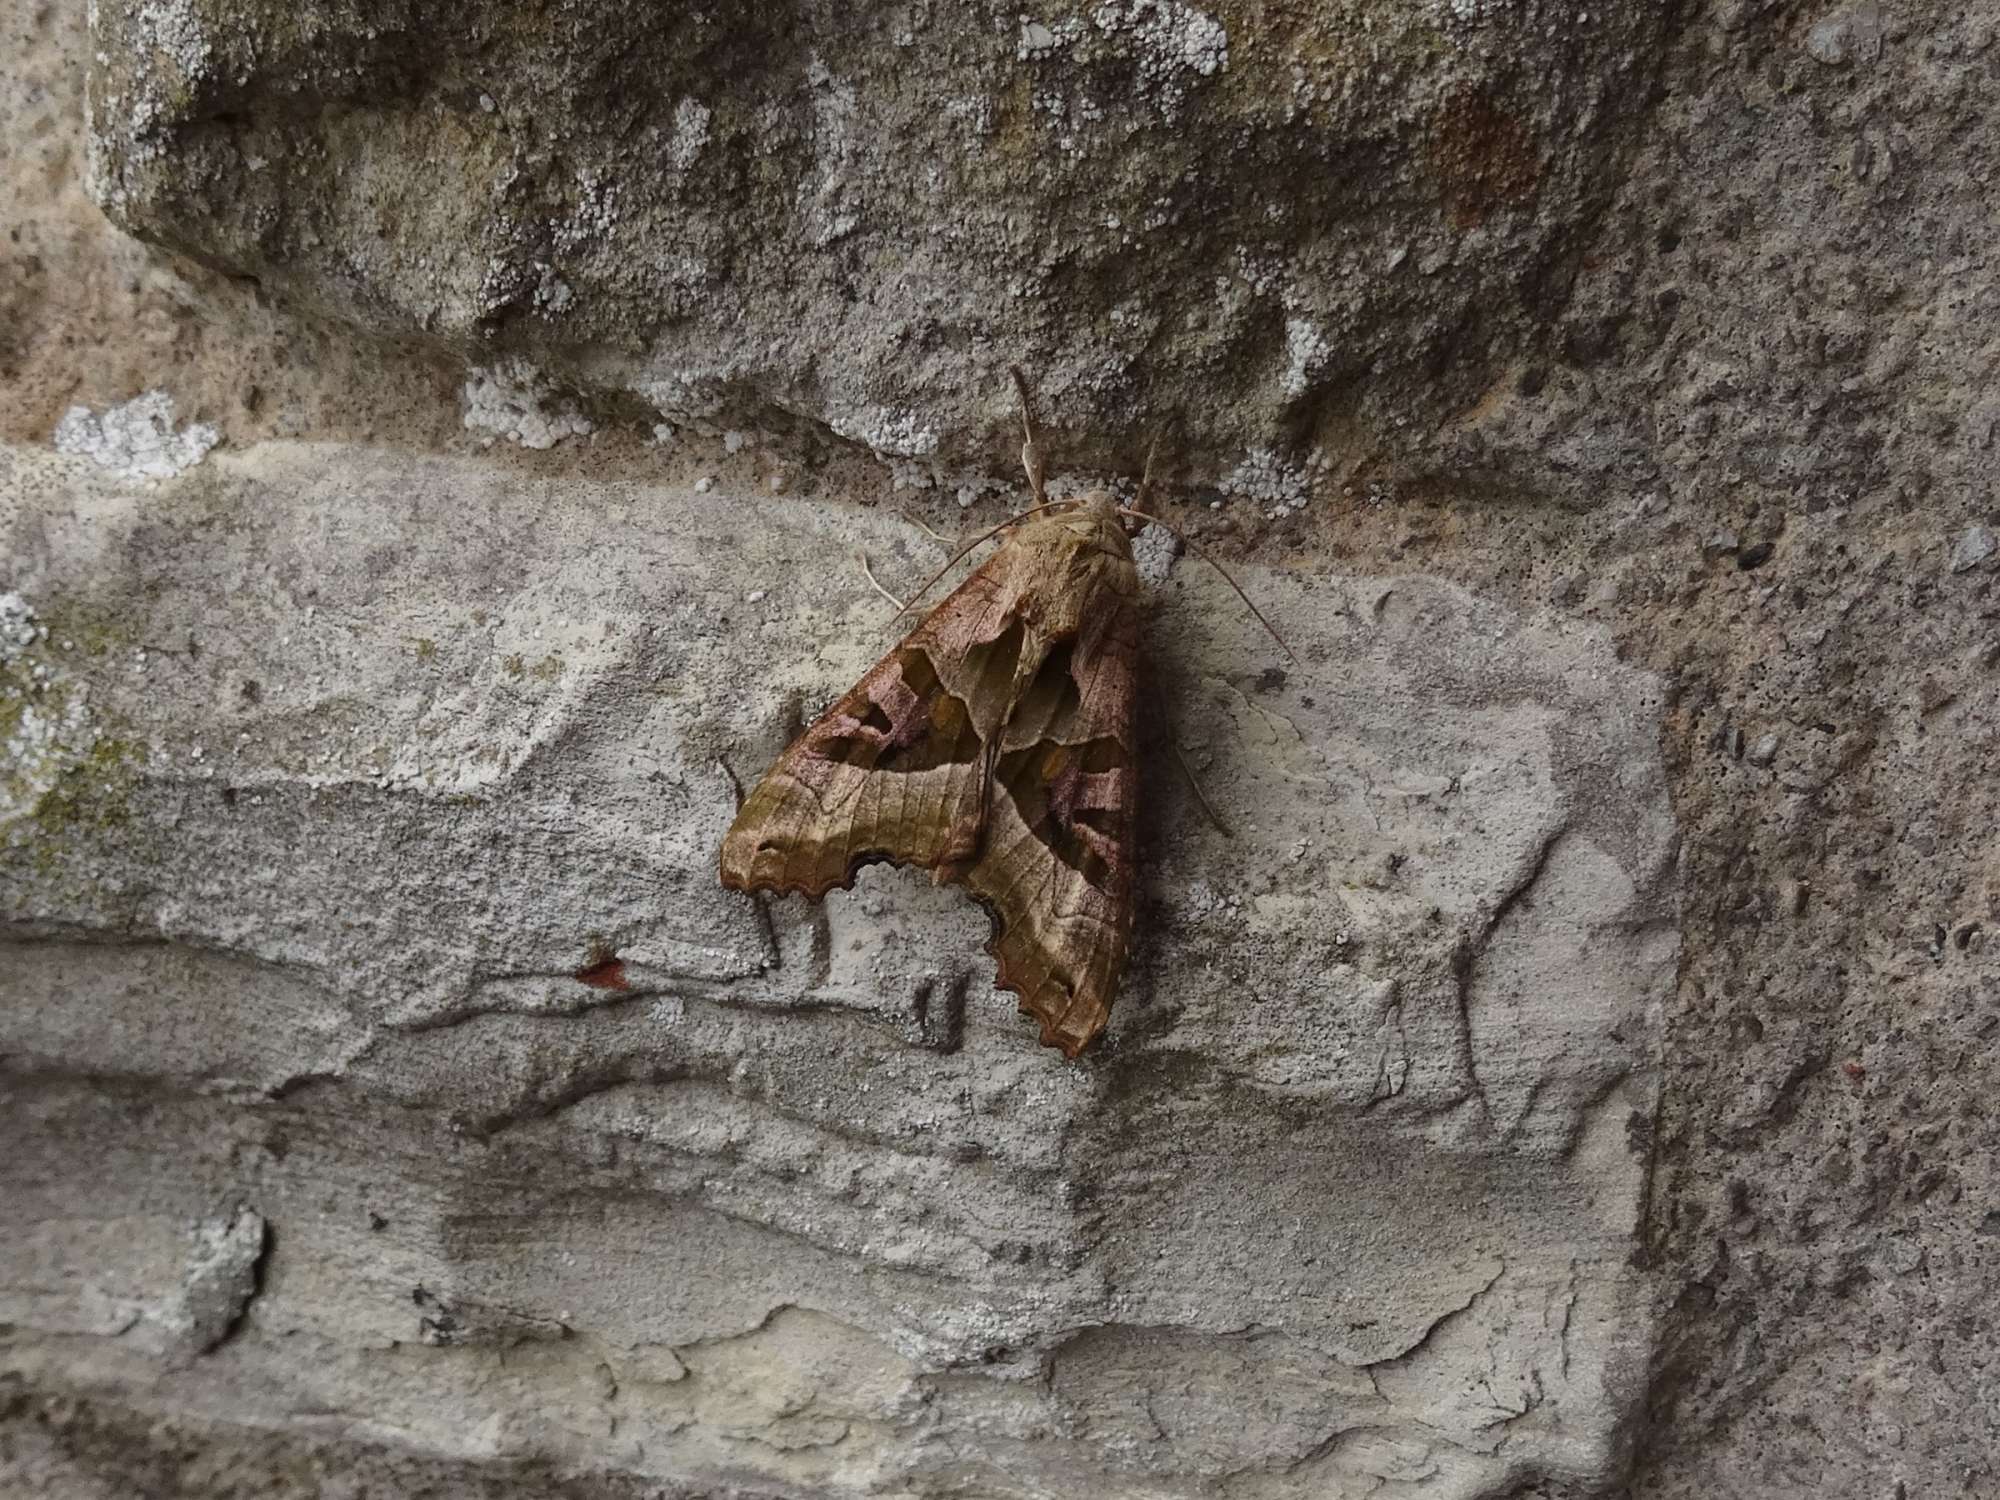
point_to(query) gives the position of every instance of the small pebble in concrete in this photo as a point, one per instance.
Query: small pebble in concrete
(1975, 545)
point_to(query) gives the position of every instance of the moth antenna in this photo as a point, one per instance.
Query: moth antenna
(1126, 510)
(876, 585)
(1146, 474)
(983, 536)
(929, 531)
(1201, 796)
(1031, 445)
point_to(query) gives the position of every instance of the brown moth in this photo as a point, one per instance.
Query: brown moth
(995, 747)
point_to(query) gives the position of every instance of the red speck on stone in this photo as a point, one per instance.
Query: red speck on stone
(605, 974)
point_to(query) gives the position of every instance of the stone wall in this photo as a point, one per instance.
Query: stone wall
(446, 451)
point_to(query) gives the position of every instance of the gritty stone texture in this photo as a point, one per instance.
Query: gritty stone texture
(216, 1284)
(1271, 223)
(789, 1185)
(88, 318)
(1701, 371)
(1787, 335)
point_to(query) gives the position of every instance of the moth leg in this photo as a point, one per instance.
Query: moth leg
(968, 835)
(1194, 785)
(989, 763)
(1031, 446)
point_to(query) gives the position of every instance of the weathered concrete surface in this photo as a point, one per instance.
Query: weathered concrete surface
(1735, 412)
(339, 769)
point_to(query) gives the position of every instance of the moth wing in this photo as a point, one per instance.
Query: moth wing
(896, 770)
(1015, 778)
(1057, 867)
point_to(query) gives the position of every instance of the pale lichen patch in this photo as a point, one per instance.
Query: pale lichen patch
(1269, 479)
(512, 399)
(135, 440)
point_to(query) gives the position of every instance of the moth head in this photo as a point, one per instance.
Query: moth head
(1102, 507)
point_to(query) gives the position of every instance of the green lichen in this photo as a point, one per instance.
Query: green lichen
(86, 802)
(23, 765)
(64, 780)
(13, 708)
(78, 627)
(93, 794)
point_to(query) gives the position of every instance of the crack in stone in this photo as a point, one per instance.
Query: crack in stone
(1470, 949)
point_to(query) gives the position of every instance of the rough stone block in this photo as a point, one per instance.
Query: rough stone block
(360, 864)
(1272, 222)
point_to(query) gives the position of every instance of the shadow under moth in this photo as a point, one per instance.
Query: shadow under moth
(996, 748)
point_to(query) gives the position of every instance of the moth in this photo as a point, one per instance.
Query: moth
(996, 747)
